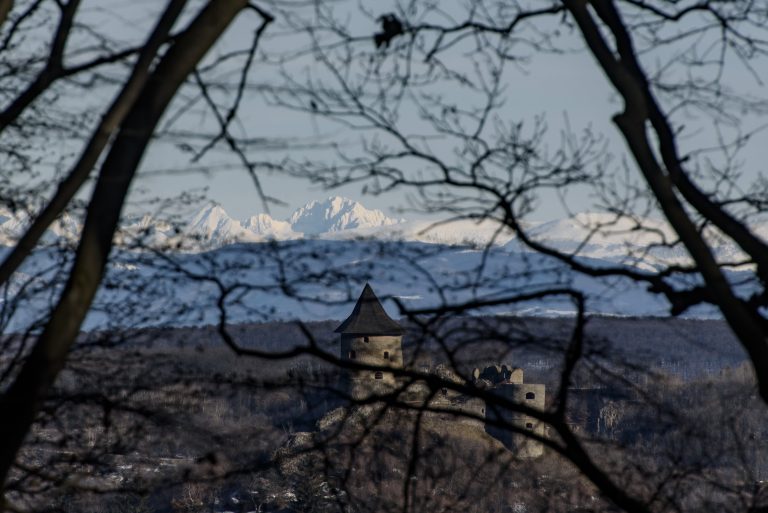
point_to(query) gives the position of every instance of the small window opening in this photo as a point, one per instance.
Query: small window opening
(530, 395)
(366, 339)
(528, 425)
(444, 391)
(352, 355)
(386, 355)
(379, 375)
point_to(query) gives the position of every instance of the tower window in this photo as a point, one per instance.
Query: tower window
(352, 355)
(386, 355)
(379, 375)
(366, 339)
(528, 425)
(530, 395)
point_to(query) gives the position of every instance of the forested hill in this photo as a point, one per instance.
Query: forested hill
(684, 347)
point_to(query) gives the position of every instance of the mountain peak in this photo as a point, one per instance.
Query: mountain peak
(211, 210)
(336, 213)
(213, 224)
(269, 227)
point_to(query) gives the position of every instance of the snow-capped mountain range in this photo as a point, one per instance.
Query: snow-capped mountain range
(340, 237)
(213, 226)
(593, 235)
(317, 219)
(333, 218)
(13, 224)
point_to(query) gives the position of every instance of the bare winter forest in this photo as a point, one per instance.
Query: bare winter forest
(249, 434)
(556, 302)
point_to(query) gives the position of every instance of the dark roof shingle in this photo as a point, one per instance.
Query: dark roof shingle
(369, 318)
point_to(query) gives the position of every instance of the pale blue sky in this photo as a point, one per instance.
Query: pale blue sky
(549, 86)
(557, 87)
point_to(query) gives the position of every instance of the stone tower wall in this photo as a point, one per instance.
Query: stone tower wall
(379, 350)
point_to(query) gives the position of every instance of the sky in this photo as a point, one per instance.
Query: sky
(567, 91)
(546, 88)
(557, 88)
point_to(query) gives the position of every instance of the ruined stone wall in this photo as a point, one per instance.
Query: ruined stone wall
(497, 374)
(529, 394)
(446, 405)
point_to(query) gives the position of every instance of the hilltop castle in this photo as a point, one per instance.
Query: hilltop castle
(369, 336)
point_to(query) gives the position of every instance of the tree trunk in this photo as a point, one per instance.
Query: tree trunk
(20, 403)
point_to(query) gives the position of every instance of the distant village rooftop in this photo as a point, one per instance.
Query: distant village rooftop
(369, 318)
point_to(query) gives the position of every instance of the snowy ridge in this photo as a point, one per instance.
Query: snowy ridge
(212, 224)
(13, 224)
(336, 214)
(462, 232)
(267, 227)
(606, 236)
(639, 242)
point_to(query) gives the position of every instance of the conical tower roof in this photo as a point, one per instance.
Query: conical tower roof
(369, 317)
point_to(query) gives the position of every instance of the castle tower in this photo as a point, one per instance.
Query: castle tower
(370, 336)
